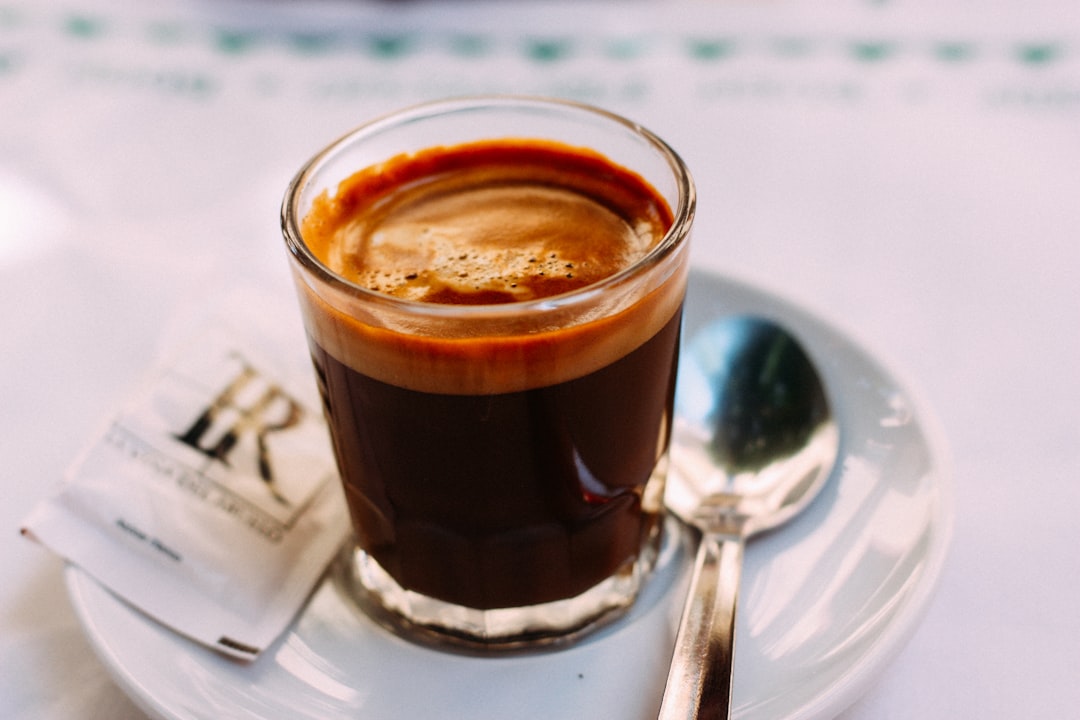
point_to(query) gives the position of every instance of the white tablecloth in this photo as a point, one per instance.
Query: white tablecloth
(908, 171)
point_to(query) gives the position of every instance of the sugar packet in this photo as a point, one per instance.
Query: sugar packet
(210, 499)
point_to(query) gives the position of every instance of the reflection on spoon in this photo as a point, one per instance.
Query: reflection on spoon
(754, 442)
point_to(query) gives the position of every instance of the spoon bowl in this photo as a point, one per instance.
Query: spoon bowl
(754, 441)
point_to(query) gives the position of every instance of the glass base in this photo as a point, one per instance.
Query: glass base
(434, 622)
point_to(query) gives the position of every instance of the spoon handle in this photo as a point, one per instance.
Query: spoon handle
(699, 680)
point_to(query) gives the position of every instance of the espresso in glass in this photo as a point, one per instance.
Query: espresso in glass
(493, 317)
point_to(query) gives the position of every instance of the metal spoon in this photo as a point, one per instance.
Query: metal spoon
(754, 442)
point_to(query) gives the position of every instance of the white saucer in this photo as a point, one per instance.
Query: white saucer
(827, 601)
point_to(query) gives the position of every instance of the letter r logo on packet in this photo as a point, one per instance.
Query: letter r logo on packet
(249, 441)
(225, 421)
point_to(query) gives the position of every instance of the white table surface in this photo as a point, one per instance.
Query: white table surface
(909, 171)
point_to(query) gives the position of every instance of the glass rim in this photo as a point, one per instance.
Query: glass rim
(674, 238)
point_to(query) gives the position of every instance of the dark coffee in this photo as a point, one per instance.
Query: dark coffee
(508, 499)
(490, 461)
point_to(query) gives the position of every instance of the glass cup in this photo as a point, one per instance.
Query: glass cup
(503, 463)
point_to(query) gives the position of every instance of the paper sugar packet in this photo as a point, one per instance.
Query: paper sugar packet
(210, 499)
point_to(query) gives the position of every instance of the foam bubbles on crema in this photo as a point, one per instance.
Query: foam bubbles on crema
(487, 232)
(486, 245)
(489, 223)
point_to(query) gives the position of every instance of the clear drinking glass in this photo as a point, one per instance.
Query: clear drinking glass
(504, 464)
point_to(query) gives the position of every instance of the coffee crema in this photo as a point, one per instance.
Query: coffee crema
(487, 223)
